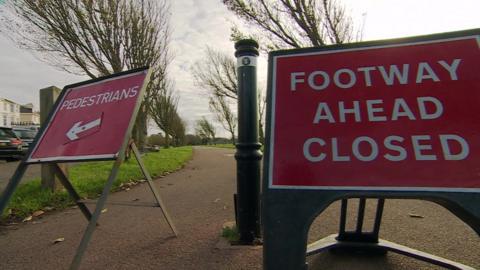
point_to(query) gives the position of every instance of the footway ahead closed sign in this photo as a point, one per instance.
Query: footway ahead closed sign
(87, 120)
(392, 115)
(372, 120)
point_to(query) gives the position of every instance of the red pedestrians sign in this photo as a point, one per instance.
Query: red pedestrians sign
(91, 119)
(391, 116)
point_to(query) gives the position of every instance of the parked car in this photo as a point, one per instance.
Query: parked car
(32, 127)
(11, 147)
(26, 135)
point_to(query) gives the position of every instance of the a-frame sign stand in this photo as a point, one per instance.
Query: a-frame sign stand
(93, 218)
(108, 97)
(361, 240)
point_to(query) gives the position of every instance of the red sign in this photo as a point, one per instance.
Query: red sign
(91, 120)
(391, 116)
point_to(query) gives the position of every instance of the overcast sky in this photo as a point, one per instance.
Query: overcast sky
(198, 23)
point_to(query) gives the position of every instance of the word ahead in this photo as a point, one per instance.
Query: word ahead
(388, 116)
(91, 119)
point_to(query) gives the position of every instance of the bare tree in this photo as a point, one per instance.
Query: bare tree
(262, 104)
(205, 130)
(294, 23)
(219, 105)
(94, 38)
(178, 131)
(163, 110)
(217, 73)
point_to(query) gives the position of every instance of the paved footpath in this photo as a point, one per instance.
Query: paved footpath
(8, 168)
(199, 199)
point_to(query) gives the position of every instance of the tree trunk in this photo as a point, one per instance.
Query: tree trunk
(260, 132)
(167, 140)
(139, 132)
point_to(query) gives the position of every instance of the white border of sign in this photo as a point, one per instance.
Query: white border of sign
(272, 122)
(77, 158)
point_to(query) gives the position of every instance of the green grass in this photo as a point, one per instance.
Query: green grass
(89, 178)
(231, 234)
(228, 145)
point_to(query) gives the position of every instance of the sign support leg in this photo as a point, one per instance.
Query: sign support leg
(359, 235)
(369, 242)
(152, 188)
(12, 185)
(71, 190)
(96, 214)
(290, 239)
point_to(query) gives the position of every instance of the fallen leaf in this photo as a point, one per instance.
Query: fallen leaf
(104, 210)
(27, 219)
(224, 207)
(229, 224)
(38, 213)
(127, 189)
(216, 200)
(58, 240)
(413, 215)
(136, 199)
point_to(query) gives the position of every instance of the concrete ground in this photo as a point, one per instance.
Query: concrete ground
(8, 168)
(199, 199)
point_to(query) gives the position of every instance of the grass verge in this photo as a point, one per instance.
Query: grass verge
(89, 178)
(231, 234)
(228, 146)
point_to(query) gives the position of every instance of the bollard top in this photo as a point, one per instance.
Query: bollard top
(246, 47)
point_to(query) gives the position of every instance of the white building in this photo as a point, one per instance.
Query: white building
(14, 114)
(28, 116)
(9, 112)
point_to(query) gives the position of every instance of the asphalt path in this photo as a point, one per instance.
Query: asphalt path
(200, 200)
(8, 168)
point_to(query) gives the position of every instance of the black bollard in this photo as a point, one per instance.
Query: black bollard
(248, 153)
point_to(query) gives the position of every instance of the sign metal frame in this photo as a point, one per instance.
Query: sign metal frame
(118, 160)
(288, 211)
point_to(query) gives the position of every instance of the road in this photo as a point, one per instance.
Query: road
(199, 199)
(8, 168)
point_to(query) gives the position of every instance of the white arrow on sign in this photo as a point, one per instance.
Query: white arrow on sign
(77, 128)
